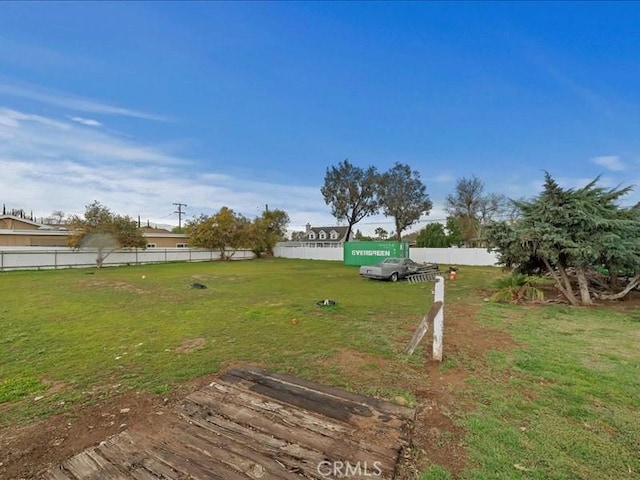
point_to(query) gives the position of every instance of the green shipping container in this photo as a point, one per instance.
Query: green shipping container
(370, 253)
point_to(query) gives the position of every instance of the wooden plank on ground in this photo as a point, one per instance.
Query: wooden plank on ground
(135, 447)
(294, 455)
(380, 424)
(294, 425)
(317, 400)
(251, 424)
(134, 461)
(381, 405)
(236, 453)
(89, 465)
(176, 456)
(57, 474)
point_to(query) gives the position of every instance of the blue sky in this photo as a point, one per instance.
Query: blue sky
(139, 105)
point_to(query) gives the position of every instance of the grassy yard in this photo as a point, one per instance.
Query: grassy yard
(85, 331)
(562, 404)
(565, 404)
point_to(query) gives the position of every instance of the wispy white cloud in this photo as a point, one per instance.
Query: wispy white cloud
(610, 162)
(50, 164)
(72, 102)
(38, 136)
(13, 118)
(86, 121)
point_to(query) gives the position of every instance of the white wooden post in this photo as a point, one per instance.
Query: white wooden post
(438, 322)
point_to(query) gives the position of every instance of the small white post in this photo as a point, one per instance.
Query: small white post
(438, 322)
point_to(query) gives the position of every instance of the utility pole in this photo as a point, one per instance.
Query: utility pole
(180, 212)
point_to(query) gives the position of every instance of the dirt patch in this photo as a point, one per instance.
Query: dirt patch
(190, 344)
(364, 367)
(437, 437)
(630, 303)
(27, 451)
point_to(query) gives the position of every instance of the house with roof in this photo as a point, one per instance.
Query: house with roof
(316, 237)
(21, 232)
(163, 238)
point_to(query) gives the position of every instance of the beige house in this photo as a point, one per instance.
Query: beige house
(163, 238)
(21, 232)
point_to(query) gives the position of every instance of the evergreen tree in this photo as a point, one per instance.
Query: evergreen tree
(570, 232)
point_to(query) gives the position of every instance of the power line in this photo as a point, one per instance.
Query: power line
(383, 222)
(392, 222)
(180, 212)
(423, 221)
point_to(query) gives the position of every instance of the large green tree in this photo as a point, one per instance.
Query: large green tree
(454, 234)
(267, 230)
(574, 235)
(403, 196)
(351, 193)
(224, 231)
(433, 236)
(104, 231)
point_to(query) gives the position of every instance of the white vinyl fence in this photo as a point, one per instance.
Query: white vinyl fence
(29, 258)
(322, 253)
(454, 256)
(441, 256)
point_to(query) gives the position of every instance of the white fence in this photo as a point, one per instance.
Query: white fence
(454, 256)
(322, 253)
(441, 256)
(26, 258)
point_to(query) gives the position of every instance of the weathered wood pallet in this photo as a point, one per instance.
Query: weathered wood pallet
(251, 424)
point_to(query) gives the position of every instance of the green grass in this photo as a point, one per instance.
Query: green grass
(19, 386)
(100, 332)
(435, 472)
(564, 405)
